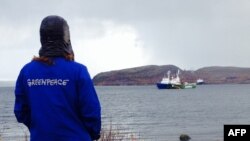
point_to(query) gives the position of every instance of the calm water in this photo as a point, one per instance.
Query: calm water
(156, 115)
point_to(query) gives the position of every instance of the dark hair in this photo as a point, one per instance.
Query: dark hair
(49, 60)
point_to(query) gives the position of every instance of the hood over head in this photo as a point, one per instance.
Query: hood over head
(55, 37)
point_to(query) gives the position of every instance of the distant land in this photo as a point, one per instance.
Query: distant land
(151, 74)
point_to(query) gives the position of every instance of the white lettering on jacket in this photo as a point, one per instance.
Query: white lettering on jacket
(47, 82)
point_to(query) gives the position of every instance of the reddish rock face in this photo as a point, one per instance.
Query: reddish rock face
(149, 75)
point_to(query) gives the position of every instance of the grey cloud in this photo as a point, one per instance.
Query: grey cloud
(189, 33)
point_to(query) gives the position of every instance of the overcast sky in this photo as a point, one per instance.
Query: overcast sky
(117, 34)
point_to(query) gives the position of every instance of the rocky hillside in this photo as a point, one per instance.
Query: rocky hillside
(224, 75)
(149, 75)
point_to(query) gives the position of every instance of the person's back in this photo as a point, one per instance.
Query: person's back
(56, 99)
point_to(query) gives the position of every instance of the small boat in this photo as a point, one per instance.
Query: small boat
(200, 81)
(189, 85)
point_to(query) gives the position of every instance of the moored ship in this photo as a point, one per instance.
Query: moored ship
(174, 83)
(165, 82)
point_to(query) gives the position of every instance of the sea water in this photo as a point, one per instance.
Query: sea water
(155, 115)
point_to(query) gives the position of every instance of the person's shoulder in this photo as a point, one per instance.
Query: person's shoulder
(72, 66)
(79, 65)
(28, 65)
(63, 61)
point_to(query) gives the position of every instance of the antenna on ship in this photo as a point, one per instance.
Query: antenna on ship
(169, 74)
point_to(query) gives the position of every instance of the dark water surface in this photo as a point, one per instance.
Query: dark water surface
(155, 115)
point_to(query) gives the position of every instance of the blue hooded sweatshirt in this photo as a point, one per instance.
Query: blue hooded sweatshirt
(57, 102)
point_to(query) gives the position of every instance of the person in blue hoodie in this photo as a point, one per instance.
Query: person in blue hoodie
(54, 95)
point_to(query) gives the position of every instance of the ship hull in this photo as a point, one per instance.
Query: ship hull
(175, 86)
(164, 86)
(200, 83)
(189, 86)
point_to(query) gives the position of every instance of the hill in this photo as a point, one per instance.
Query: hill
(149, 75)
